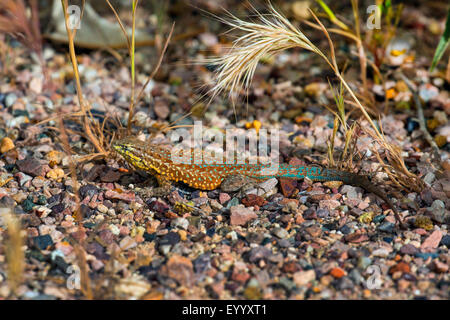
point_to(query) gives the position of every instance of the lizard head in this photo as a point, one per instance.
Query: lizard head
(132, 150)
(142, 155)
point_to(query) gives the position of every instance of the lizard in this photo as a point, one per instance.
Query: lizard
(207, 175)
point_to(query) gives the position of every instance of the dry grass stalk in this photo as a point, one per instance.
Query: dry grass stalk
(14, 21)
(271, 35)
(131, 50)
(13, 245)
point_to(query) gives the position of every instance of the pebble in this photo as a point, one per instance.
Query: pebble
(432, 242)
(438, 211)
(10, 99)
(268, 185)
(127, 243)
(32, 166)
(440, 267)
(288, 186)
(302, 278)
(180, 223)
(224, 197)
(181, 269)
(56, 174)
(446, 241)
(241, 215)
(338, 272)
(387, 227)
(43, 242)
(408, 249)
(280, 233)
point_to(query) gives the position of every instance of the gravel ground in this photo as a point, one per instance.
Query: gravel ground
(295, 240)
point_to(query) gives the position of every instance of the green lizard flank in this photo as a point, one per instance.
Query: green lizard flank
(157, 161)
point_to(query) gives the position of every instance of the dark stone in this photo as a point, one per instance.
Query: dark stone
(58, 208)
(31, 166)
(323, 213)
(202, 263)
(149, 236)
(43, 242)
(345, 229)
(258, 253)
(310, 214)
(41, 200)
(288, 186)
(89, 225)
(158, 206)
(387, 227)
(171, 238)
(28, 205)
(198, 237)
(445, 241)
(344, 283)
(88, 190)
(388, 239)
(60, 263)
(330, 226)
(210, 232)
(110, 176)
(379, 218)
(56, 198)
(411, 124)
(425, 256)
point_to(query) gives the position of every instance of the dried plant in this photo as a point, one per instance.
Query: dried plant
(272, 34)
(14, 21)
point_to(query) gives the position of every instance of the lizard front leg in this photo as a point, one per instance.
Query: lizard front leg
(163, 189)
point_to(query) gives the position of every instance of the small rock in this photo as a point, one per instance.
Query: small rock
(268, 185)
(337, 272)
(224, 197)
(408, 249)
(280, 233)
(356, 238)
(240, 215)
(6, 144)
(288, 186)
(161, 109)
(88, 190)
(446, 241)
(432, 242)
(32, 166)
(440, 267)
(387, 227)
(302, 278)
(180, 269)
(438, 211)
(10, 99)
(180, 223)
(43, 242)
(400, 267)
(125, 196)
(127, 243)
(55, 174)
(252, 200)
